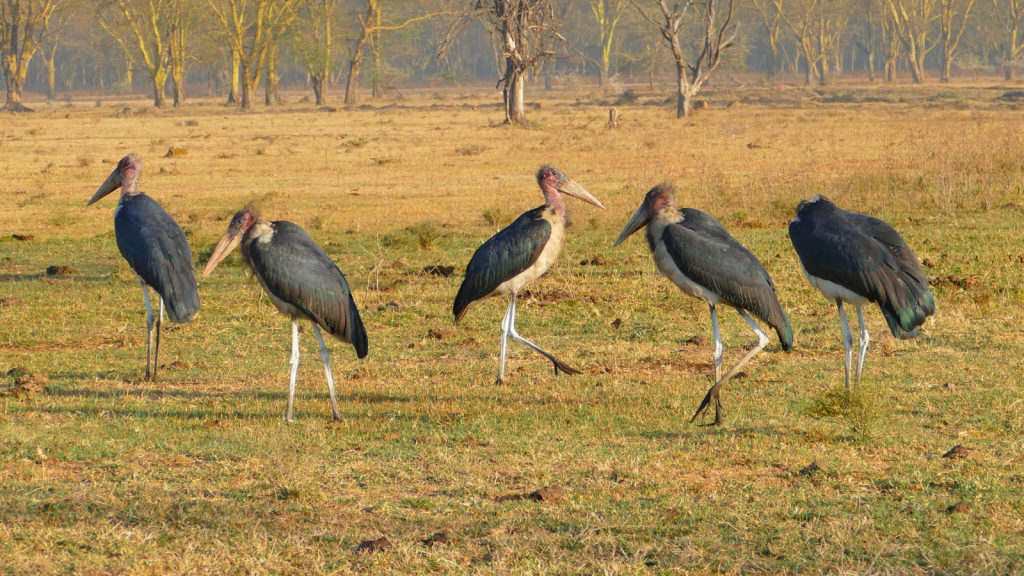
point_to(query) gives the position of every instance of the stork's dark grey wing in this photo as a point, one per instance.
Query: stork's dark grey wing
(156, 249)
(503, 257)
(297, 271)
(868, 257)
(706, 253)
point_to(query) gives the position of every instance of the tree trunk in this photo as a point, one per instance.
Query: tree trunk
(1009, 73)
(249, 83)
(871, 66)
(352, 84)
(159, 81)
(515, 105)
(319, 89)
(51, 76)
(273, 94)
(233, 80)
(683, 97)
(809, 71)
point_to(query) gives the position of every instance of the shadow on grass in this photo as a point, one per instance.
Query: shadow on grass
(150, 393)
(44, 276)
(698, 431)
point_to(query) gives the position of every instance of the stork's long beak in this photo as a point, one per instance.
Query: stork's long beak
(572, 188)
(638, 221)
(113, 182)
(227, 243)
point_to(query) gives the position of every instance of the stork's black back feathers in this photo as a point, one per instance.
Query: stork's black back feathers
(706, 253)
(156, 249)
(295, 270)
(866, 256)
(503, 257)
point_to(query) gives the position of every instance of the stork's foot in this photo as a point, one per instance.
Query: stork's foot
(715, 396)
(559, 365)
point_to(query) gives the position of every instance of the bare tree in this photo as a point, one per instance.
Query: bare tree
(152, 33)
(771, 19)
(817, 26)
(523, 32)
(717, 32)
(1010, 13)
(868, 36)
(913, 21)
(953, 15)
(251, 26)
(607, 14)
(179, 24)
(50, 38)
(314, 36)
(22, 25)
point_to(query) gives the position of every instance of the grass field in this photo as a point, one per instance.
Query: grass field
(198, 473)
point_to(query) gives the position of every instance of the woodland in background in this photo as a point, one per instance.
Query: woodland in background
(246, 50)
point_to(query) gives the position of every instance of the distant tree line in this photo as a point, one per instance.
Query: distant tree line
(245, 50)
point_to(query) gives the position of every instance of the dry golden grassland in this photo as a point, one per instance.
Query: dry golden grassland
(198, 473)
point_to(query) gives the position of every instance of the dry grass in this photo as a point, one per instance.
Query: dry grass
(198, 473)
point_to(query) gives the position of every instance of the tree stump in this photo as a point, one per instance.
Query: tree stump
(613, 119)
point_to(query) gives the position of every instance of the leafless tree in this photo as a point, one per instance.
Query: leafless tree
(23, 24)
(251, 26)
(151, 33)
(50, 38)
(817, 26)
(371, 22)
(771, 19)
(717, 33)
(953, 16)
(607, 14)
(524, 32)
(1010, 13)
(913, 20)
(314, 33)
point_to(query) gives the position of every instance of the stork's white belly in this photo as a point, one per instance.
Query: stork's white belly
(834, 291)
(547, 258)
(668, 269)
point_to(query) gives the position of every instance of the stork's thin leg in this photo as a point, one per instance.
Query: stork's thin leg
(718, 349)
(325, 357)
(559, 365)
(156, 350)
(295, 369)
(714, 392)
(864, 340)
(149, 325)
(847, 340)
(506, 322)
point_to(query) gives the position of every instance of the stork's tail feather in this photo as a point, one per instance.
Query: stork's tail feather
(357, 332)
(917, 305)
(785, 332)
(461, 304)
(182, 303)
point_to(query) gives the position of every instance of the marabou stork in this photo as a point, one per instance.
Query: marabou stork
(698, 255)
(519, 254)
(156, 249)
(301, 281)
(856, 258)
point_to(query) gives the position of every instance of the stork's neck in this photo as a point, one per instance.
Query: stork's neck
(656, 227)
(261, 231)
(554, 199)
(130, 184)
